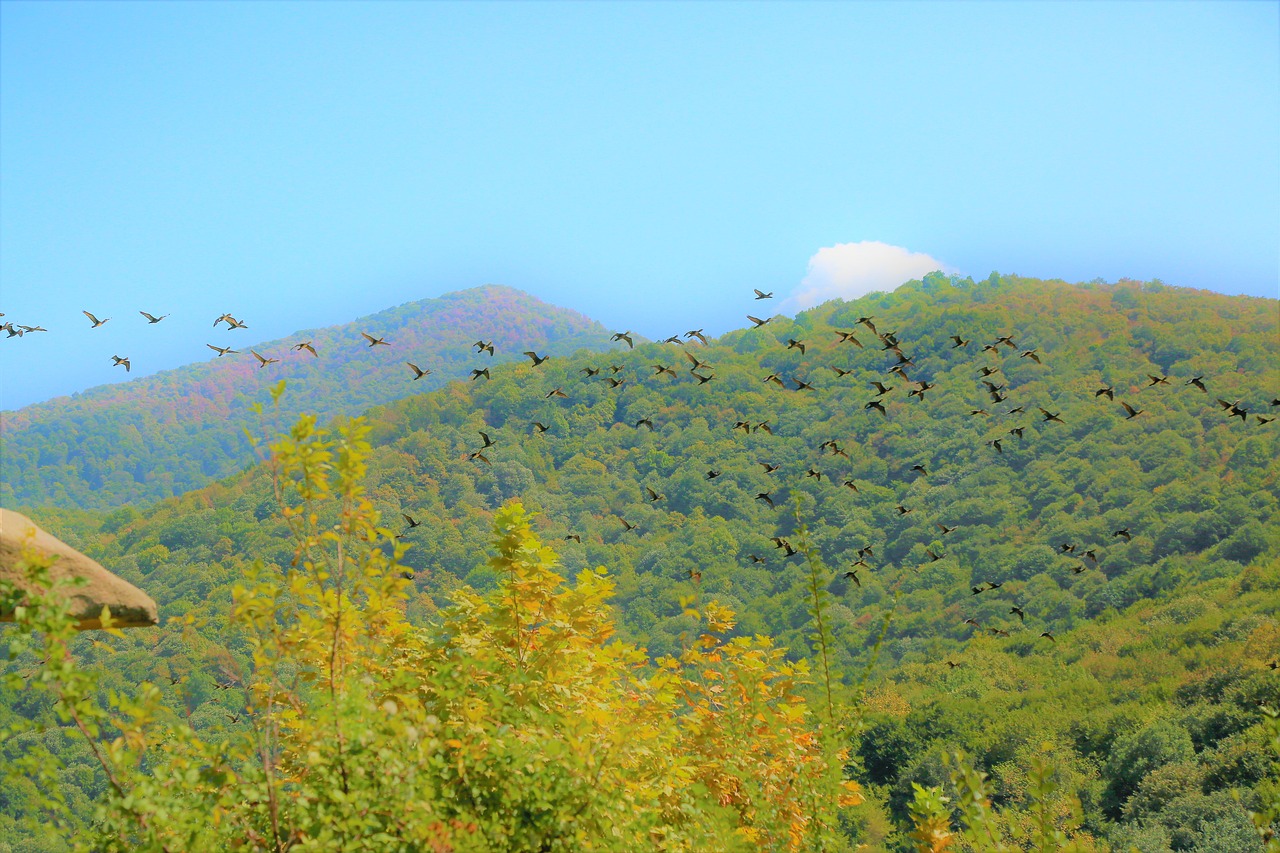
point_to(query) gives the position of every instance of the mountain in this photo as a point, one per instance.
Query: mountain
(166, 434)
(1042, 574)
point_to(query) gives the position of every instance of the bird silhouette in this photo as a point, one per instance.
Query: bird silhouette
(1017, 431)
(628, 525)
(116, 361)
(152, 319)
(589, 371)
(802, 385)
(840, 371)
(374, 342)
(1106, 391)
(792, 343)
(1132, 412)
(763, 426)
(933, 558)
(654, 497)
(409, 520)
(484, 346)
(484, 436)
(742, 425)
(902, 510)
(674, 339)
(1049, 637)
(760, 294)
(537, 359)
(988, 371)
(305, 345)
(766, 497)
(624, 336)
(418, 372)
(852, 575)
(1198, 381)
(757, 321)
(476, 374)
(94, 320)
(866, 321)
(1017, 611)
(920, 468)
(479, 456)
(815, 474)
(848, 338)
(976, 412)
(882, 389)
(703, 380)
(224, 317)
(696, 333)
(556, 392)
(768, 468)
(221, 351)
(775, 379)
(1157, 380)
(945, 530)
(575, 537)
(850, 484)
(233, 323)
(614, 383)
(263, 361)
(713, 473)
(1051, 416)
(1031, 354)
(878, 406)
(644, 422)
(1123, 532)
(661, 368)
(996, 444)
(697, 363)
(539, 427)
(959, 342)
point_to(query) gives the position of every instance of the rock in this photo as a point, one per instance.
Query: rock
(130, 607)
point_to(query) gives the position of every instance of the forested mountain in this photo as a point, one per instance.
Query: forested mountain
(1079, 559)
(174, 431)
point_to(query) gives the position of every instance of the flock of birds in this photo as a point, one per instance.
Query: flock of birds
(989, 375)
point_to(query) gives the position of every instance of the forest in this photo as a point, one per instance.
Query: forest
(973, 603)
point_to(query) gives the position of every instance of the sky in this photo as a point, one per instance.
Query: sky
(647, 164)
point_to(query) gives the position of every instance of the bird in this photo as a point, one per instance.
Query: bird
(852, 575)
(742, 425)
(221, 351)
(674, 339)
(753, 558)
(1051, 416)
(959, 342)
(945, 530)
(305, 345)
(1067, 548)
(233, 323)
(614, 383)
(484, 346)
(757, 321)
(1017, 611)
(976, 412)
(988, 371)
(628, 525)
(902, 510)
(589, 371)
(973, 622)
(998, 632)
(792, 343)
(556, 392)
(418, 372)
(1261, 420)
(763, 426)
(263, 361)
(644, 422)
(697, 363)
(848, 338)
(226, 317)
(117, 361)
(696, 333)
(850, 484)
(624, 336)
(1132, 412)
(575, 537)
(920, 468)
(703, 380)
(94, 320)
(840, 371)
(1091, 554)
(817, 475)
(476, 374)
(1049, 636)
(882, 389)
(1031, 354)
(488, 442)
(235, 718)
(765, 496)
(1078, 570)
(1198, 381)
(1157, 380)
(152, 319)
(539, 427)
(775, 379)
(1017, 431)
(878, 406)
(373, 342)
(933, 558)
(769, 469)
(695, 575)
(801, 385)
(537, 359)
(654, 497)
(661, 368)
(1106, 391)
(713, 473)
(1124, 532)
(996, 444)
(866, 321)
(1016, 410)
(760, 294)
(952, 664)
(919, 390)
(1007, 340)
(410, 520)
(479, 456)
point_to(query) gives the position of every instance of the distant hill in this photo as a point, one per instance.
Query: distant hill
(1035, 569)
(171, 432)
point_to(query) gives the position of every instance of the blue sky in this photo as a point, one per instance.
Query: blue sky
(646, 164)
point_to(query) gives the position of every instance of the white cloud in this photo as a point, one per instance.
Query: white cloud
(850, 270)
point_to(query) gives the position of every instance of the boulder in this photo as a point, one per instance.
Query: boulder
(130, 607)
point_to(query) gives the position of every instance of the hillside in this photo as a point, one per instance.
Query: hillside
(166, 434)
(1043, 568)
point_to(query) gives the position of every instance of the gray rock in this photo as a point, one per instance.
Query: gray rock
(130, 607)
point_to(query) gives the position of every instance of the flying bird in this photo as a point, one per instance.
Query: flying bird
(654, 497)
(996, 444)
(305, 345)
(373, 342)
(959, 342)
(476, 374)
(763, 426)
(696, 333)
(945, 530)
(537, 359)
(624, 336)
(94, 320)
(1017, 611)
(1049, 636)
(758, 322)
(764, 496)
(1132, 412)
(614, 383)
(644, 422)
(589, 371)
(792, 343)
(882, 389)
(853, 576)
(1031, 354)
(661, 368)
(1198, 381)
(878, 406)
(418, 372)
(703, 380)
(848, 338)
(760, 294)
(221, 351)
(556, 392)
(713, 473)
(410, 521)
(539, 427)
(775, 379)
(263, 361)
(488, 442)
(484, 346)
(574, 537)
(117, 361)
(1124, 532)
(866, 321)
(1051, 416)
(801, 385)
(1157, 380)
(479, 456)
(1107, 391)
(152, 319)
(769, 469)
